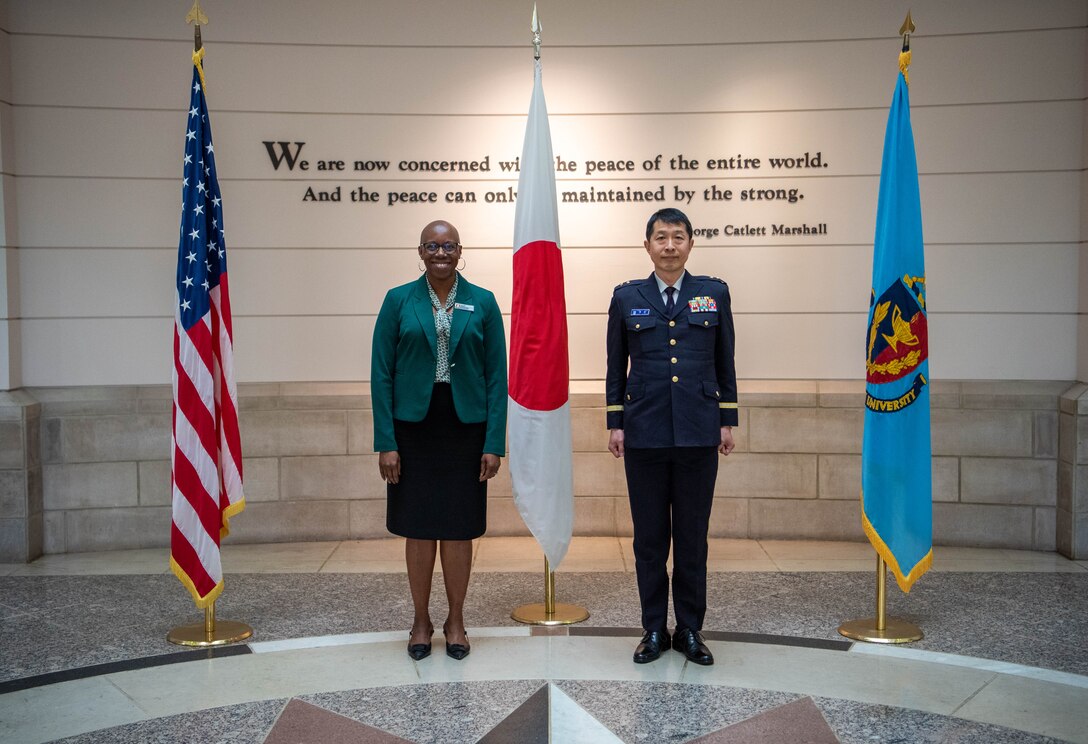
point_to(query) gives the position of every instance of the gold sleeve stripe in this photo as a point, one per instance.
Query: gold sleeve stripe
(727, 405)
(613, 408)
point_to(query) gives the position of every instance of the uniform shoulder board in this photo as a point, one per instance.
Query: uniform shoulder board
(622, 284)
(716, 279)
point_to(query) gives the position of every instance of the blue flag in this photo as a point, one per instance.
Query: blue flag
(896, 480)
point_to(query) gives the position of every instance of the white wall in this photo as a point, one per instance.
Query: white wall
(98, 93)
(10, 357)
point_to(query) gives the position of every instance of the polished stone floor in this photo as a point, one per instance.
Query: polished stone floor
(1004, 659)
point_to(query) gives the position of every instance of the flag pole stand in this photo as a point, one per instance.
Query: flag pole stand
(209, 632)
(881, 629)
(551, 612)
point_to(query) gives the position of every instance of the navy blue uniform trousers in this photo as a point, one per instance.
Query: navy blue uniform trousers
(671, 491)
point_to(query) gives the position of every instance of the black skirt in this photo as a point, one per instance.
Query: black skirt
(440, 496)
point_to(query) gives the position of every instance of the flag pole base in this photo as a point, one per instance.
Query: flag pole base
(564, 614)
(226, 631)
(881, 629)
(551, 612)
(895, 631)
(211, 632)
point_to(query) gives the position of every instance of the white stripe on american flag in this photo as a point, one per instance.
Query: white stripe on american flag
(188, 523)
(232, 477)
(188, 442)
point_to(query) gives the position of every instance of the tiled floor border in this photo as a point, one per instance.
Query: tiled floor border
(901, 652)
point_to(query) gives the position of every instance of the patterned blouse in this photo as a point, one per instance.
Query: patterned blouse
(442, 321)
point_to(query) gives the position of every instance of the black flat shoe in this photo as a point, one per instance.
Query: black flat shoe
(650, 648)
(419, 650)
(457, 651)
(690, 644)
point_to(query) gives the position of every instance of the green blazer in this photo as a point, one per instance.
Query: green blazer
(403, 361)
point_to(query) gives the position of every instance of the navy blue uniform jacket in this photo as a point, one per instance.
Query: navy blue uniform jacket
(681, 385)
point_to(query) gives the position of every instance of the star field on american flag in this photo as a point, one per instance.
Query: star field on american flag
(202, 237)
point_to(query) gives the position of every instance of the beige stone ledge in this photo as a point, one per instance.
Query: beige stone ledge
(1075, 399)
(1015, 394)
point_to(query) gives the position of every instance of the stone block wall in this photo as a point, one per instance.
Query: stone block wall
(21, 519)
(310, 473)
(1072, 508)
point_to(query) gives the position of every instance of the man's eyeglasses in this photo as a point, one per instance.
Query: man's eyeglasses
(446, 247)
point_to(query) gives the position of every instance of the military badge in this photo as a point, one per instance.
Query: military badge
(703, 305)
(640, 311)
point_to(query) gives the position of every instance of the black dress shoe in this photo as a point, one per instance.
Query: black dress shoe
(690, 644)
(457, 651)
(652, 644)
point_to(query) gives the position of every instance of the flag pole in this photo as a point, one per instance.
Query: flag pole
(881, 629)
(209, 632)
(550, 613)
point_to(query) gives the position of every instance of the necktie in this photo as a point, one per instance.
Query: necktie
(670, 303)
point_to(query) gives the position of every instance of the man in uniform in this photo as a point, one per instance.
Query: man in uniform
(670, 413)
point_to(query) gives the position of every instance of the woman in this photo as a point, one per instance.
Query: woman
(438, 384)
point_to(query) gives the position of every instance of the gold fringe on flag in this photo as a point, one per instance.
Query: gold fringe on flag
(198, 58)
(905, 581)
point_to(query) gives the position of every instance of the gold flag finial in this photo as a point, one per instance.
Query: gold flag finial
(904, 56)
(906, 30)
(535, 28)
(197, 18)
(196, 15)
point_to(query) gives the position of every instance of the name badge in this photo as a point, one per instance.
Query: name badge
(703, 305)
(467, 308)
(641, 311)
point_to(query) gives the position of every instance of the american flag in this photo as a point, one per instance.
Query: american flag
(206, 458)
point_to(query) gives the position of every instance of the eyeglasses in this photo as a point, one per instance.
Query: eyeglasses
(446, 247)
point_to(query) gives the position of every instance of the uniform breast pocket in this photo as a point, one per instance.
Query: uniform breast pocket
(702, 336)
(640, 333)
(640, 323)
(703, 320)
